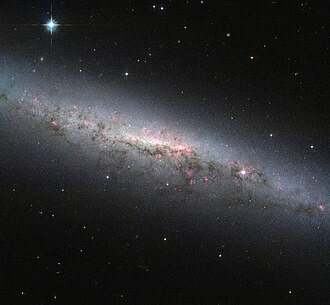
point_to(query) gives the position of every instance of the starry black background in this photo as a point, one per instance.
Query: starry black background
(252, 69)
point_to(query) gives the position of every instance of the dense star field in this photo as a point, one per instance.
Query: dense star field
(164, 153)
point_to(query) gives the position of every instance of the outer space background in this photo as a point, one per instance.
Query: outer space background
(171, 152)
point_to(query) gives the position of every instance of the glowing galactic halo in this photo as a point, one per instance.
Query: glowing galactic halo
(162, 157)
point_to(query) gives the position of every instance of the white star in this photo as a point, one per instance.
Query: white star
(51, 25)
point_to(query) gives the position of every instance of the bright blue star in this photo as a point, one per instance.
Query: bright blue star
(51, 25)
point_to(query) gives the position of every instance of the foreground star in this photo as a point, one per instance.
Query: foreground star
(51, 25)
